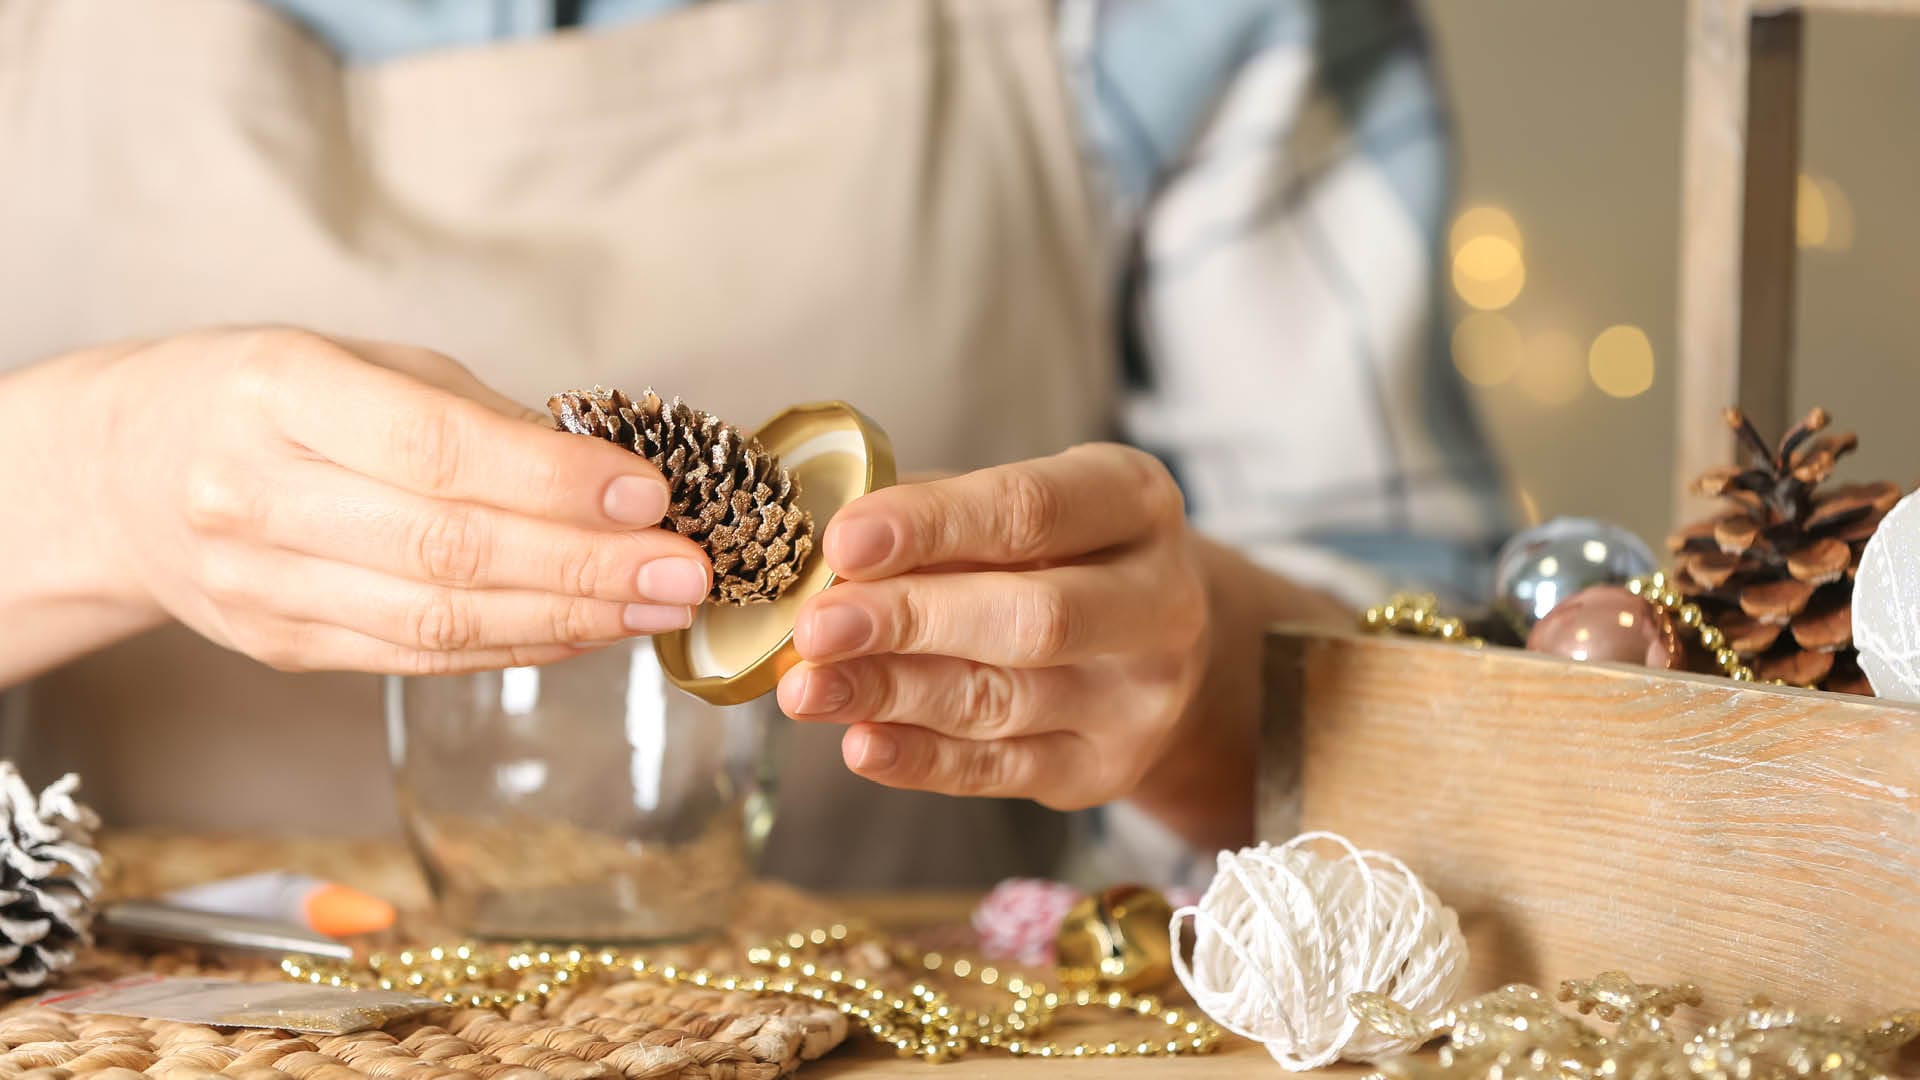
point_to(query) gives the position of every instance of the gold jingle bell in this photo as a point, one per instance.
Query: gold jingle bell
(1117, 938)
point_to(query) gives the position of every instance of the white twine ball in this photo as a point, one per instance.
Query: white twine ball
(1284, 935)
(1886, 604)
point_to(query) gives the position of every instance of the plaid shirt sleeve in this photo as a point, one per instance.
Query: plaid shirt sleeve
(1277, 173)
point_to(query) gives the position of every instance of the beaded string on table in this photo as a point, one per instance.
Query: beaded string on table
(920, 1021)
(1418, 613)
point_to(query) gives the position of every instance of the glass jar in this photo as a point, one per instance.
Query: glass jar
(588, 800)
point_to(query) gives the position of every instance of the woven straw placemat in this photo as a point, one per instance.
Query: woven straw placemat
(633, 1029)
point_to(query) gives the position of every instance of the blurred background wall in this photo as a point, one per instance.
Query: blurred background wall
(1568, 117)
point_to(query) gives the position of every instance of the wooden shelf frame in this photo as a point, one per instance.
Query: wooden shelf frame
(1741, 164)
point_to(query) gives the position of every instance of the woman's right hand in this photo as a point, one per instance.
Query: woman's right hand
(321, 504)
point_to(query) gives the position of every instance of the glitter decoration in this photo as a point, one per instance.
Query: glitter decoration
(1518, 1033)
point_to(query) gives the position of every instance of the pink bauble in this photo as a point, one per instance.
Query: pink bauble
(1606, 622)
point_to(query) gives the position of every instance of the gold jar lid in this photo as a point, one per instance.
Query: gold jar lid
(735, 653)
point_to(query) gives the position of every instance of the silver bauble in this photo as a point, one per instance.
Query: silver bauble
(1546, 564)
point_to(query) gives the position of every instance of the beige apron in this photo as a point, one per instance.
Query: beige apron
(749, 204)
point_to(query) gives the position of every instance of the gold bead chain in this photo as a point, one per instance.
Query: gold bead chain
(1417, 613)
(918, 1021)
(1654, 590)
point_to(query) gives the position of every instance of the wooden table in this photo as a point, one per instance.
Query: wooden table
(146, 863)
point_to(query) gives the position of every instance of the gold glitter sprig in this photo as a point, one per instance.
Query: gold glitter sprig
(1517, 1033)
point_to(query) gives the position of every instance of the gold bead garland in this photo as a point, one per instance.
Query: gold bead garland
(920, 1021)
(1418, 613)
(1654, 590)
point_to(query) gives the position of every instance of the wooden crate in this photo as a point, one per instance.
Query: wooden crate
(1589, 817)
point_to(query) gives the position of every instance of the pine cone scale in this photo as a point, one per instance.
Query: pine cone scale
(1711, 569)
(1775, 601)
(1821, 562)
(1747, 636)
(1803, 668)
(1827, 624)
(1845, 504)
(1860, 529)
(1736, 534)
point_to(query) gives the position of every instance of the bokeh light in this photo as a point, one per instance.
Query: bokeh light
(1620, 361)
(1553, 368)
(1475, 222)
(1489, 266)
(1823, 214)
(1486, 348)
(1488, 272)
(1839, 218)
(1811, 224)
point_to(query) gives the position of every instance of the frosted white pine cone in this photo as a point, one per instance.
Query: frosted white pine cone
(49, 877)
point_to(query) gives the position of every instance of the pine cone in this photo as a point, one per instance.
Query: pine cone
(48, 878)
(728, 494)
(1775, 572)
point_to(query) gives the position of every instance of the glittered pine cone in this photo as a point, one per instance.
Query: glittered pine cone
(728, 494)
(1774, 571)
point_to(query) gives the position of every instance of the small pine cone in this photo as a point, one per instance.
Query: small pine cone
(49, 877)
(728, 494)
(1773, 570)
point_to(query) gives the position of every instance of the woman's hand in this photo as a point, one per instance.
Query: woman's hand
(1047, 630)
(322, 504)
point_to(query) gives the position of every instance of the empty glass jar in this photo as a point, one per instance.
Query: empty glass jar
(588, 800)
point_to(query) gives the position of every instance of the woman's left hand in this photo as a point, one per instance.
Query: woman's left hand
(1038, 630)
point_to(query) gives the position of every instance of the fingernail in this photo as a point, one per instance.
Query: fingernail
(673, 581)
(820, 691)
(861, 543)
(835, 630)
(655, 618)
(636, 500)
(876, 750)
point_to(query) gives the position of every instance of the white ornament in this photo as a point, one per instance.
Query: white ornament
(1886, 604)
(1285, 935)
